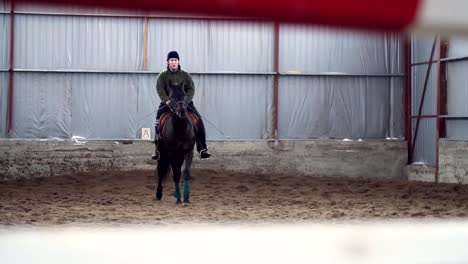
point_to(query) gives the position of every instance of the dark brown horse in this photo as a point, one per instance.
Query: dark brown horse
(177, 140)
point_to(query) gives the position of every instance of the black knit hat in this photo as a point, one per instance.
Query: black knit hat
(173, 55)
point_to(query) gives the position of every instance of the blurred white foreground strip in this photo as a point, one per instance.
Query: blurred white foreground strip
(444, 242)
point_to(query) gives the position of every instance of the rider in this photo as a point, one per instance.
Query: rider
(174, 74)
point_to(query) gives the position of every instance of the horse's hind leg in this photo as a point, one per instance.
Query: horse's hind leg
(188, 165)
(163, 166)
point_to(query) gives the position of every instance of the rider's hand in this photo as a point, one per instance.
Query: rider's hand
(168, 103)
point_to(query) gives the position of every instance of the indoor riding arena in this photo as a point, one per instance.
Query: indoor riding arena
(331, 142)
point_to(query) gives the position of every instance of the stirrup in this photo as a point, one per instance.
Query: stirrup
(204, 154)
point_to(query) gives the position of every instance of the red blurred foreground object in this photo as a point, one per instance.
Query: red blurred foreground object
(392, 15)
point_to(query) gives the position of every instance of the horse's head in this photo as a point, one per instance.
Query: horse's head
(178, 99)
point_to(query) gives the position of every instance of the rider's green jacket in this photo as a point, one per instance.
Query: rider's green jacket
(180, 76)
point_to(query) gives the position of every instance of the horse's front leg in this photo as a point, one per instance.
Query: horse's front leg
(188, 164)
(176, 171)
(163, 166)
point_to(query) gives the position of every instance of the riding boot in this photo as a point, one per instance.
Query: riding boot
(156, 155)
(201, 142)
(204, 154)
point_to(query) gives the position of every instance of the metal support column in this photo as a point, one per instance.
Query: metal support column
(11, 72)
(407, 96)
(441, 99)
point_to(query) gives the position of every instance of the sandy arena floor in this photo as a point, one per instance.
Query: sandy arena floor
(128, 198)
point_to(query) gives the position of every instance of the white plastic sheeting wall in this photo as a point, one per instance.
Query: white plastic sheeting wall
(88, 105)
(212, 46)
(236, 106)
(83, 43)
(346, 107)
(316, 50)
(315, 106)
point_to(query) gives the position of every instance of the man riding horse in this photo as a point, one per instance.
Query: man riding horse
(174, 74)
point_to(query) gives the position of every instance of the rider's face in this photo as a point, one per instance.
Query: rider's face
(173, 64)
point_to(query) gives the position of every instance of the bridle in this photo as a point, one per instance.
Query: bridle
(183, 103)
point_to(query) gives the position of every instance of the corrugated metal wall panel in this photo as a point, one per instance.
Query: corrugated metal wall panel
(396, 108)
(457, 94)
(86, 43)
(241, 107)
(41, 106)
(185, 36)
(240, 46)
(458, 47)
(314, 50)
(425, 148)
(457, 88)
(4, 64)
(457, 129)
(325, 107)
(148, 102)
(205, 45)
(105, 105)
(421, 47)
(4, 41)
(430, 101)
(3, 103)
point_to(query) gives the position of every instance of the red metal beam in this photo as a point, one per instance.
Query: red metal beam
(424, 116)
(11, 73)
(442, 107)
(423, 95)
(393, 15)
(423, 63)
(276, 82)
(407, 96)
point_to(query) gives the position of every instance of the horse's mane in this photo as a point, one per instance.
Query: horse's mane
(177, 91)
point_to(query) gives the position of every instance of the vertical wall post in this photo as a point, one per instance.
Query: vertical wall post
(441, 99)
(407, 96)
(11, 72)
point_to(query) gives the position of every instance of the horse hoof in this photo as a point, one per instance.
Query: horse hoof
(159, 196)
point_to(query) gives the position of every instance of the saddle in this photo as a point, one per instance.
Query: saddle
(165, 117)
